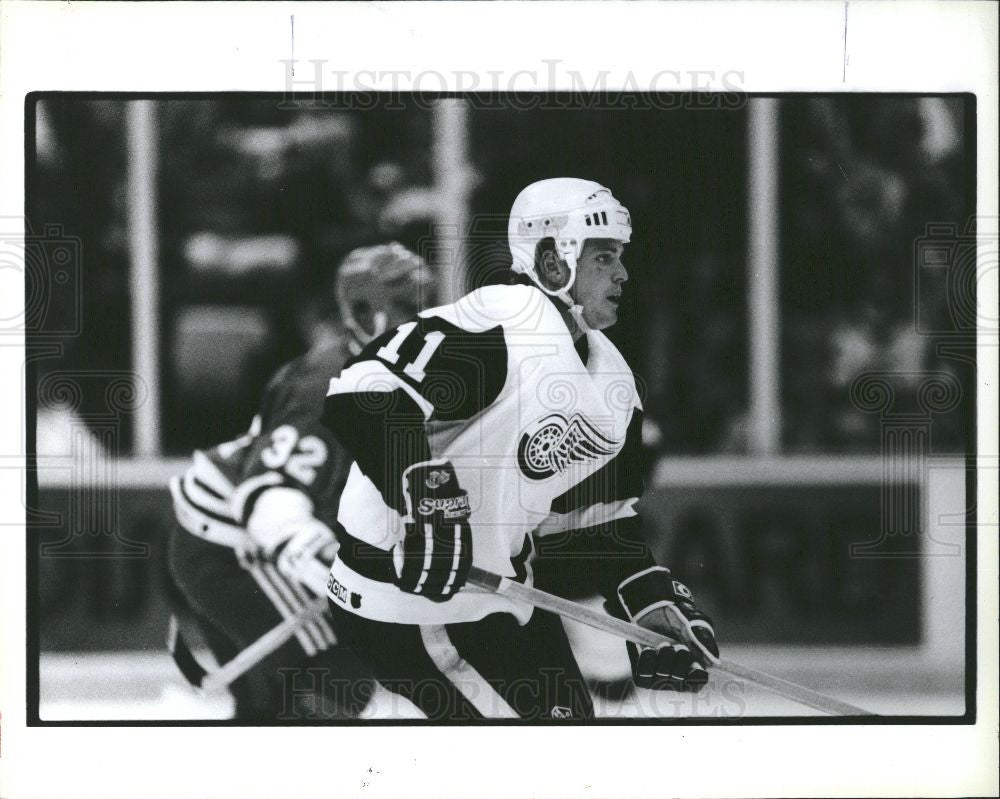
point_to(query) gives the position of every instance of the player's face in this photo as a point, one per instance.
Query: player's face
(375, 319)
(409, 297)
(401, 310)
(600, 274)
(389, 308)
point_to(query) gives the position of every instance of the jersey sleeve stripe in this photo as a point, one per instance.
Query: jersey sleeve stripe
(201, 484)
(374, 377)
(210, 474)
(201, 522)
(219, 507)
(583, 518)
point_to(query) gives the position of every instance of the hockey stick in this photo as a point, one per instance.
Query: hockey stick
(270, 641)
(640, 635)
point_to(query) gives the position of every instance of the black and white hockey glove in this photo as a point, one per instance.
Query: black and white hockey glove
(435, 555)
(654, 600)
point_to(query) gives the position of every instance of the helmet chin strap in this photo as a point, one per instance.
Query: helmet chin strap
(575, 309)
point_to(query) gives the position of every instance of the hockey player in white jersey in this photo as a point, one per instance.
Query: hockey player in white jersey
(476, 425)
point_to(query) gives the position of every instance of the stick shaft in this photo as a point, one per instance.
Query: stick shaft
(791, 690)
(261, 648)
(640, 635)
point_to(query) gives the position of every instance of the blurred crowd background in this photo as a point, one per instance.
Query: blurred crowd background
(258, 200)
(186, 247)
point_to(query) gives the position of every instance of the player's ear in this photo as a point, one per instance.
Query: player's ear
(552, 269)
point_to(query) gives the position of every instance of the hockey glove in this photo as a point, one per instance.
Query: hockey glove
(307, 555)
(285, 532)
(435, 555)
(654, 600)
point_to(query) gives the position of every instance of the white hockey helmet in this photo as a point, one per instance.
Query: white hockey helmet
(376, 283)
(570, 211)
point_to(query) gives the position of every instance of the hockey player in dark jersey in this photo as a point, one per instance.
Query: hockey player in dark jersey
(476, 427)
(255, 516)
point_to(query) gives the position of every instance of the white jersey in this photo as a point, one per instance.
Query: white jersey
(536, 435)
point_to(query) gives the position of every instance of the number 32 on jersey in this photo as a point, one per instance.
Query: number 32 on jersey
(297, 457)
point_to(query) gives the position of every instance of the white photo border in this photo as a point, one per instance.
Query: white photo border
(763, 47)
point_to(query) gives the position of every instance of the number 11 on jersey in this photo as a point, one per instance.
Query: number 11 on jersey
(415, 369)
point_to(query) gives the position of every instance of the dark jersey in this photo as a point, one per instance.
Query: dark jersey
(286, 445)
